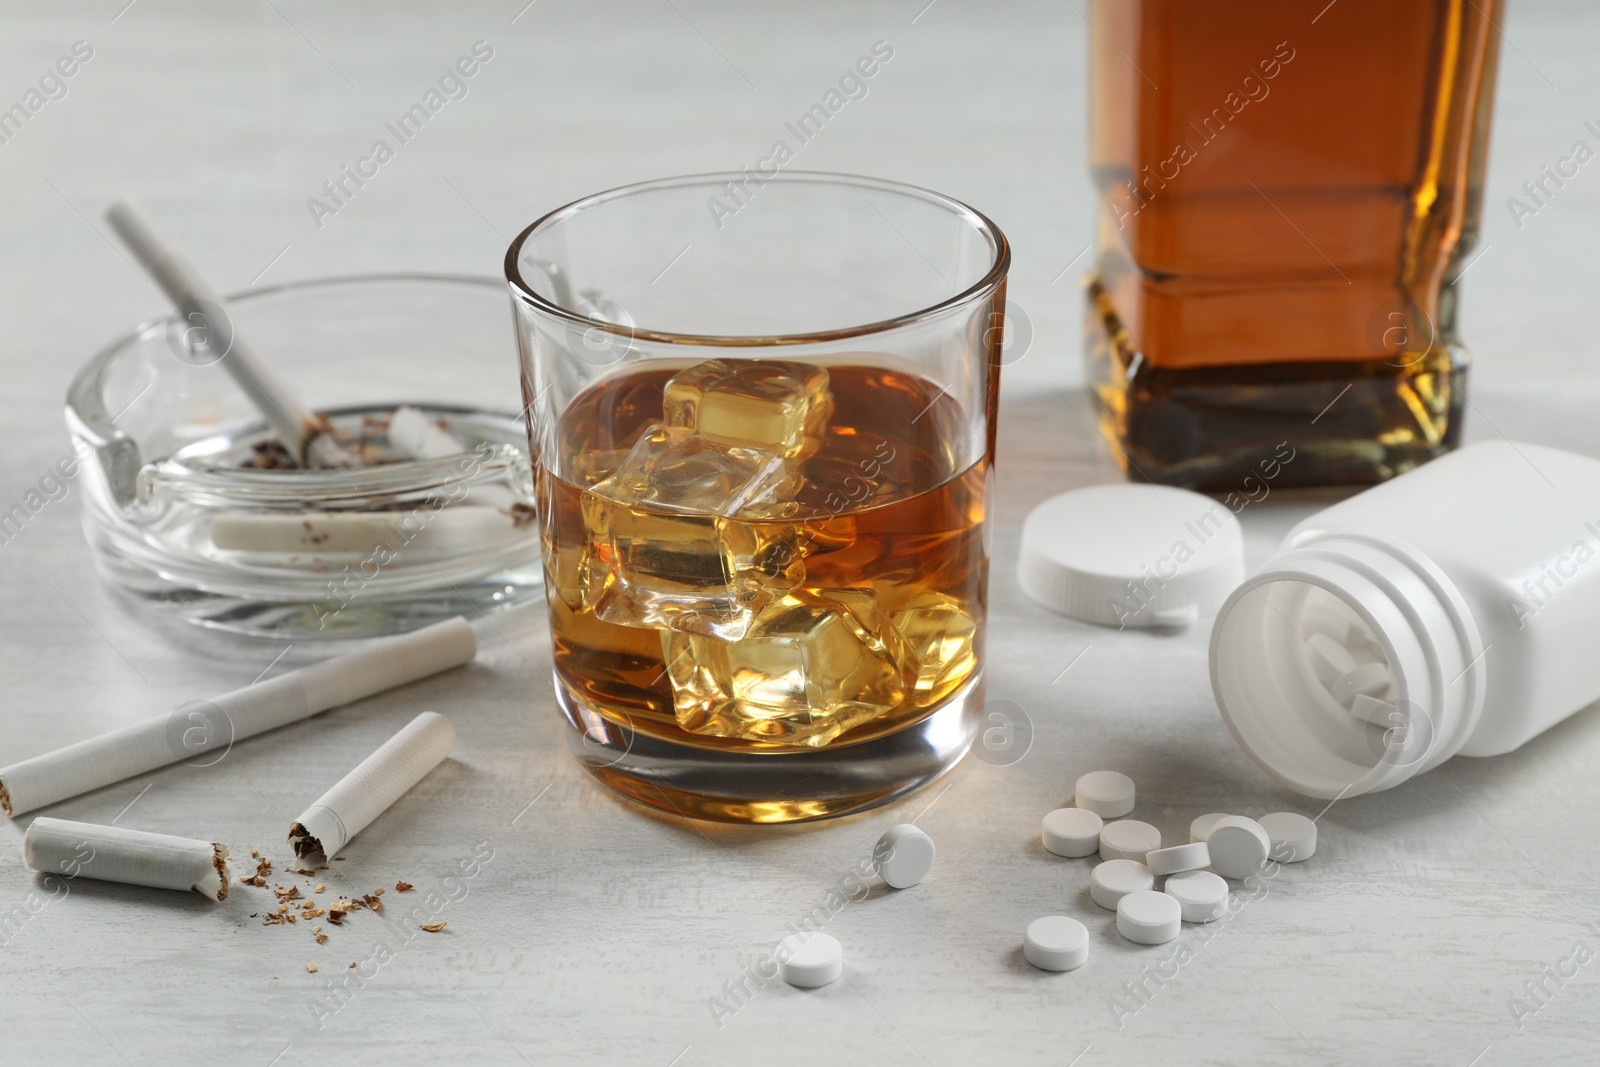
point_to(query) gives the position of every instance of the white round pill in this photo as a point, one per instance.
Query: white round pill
(1112, 880)
(1378, 712)
(1201, 828)
(1178, 858)
(1056, 943)
(810, 960)
(1072, 832)
(1148, 917)
(1238, 846)
(1109, 794)
(1128, 839)
(903, 856)
(1293, 836)
(1201, 895)
(1330, 660)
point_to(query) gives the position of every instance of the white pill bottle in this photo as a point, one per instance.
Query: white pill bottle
(1473, 581)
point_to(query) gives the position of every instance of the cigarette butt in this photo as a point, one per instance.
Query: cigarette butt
(415, 436)
(213, 725)
(133, 857)
(302, 431)
(314, 535)
(377, 782)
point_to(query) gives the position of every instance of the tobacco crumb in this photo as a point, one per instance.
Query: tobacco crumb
(321, 887)
(255, 853)
(404, 886)
(352, 964)
(311, 968)
(270, 455)
(434, 928)
(372, 902)
(302, 870)
(321, 938)
(522, 515)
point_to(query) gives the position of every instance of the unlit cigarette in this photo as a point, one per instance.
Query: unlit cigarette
(414, 435)
(377, 782)
(133, 857)
(205, 726)
(302, 432)
(454, 530)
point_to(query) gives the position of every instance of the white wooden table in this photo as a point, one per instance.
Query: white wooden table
(594, 931)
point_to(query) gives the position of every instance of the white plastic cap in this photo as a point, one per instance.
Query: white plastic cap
(1129, 555)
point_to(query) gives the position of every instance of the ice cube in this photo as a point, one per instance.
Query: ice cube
(689, 535)
(775, 405)
(811, 666)
(941, 636)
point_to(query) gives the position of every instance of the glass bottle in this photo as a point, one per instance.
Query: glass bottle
(1289, 193)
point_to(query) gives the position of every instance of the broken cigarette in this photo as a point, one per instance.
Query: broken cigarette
(377, 782)
(299, 694)
(304, 433)
(133, 857)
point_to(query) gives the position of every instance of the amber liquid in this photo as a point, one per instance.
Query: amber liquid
(882, 506)
(1288, 193)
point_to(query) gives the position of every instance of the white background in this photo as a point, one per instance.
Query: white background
(598, 932)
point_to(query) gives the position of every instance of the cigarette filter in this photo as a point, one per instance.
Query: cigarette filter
(217, 723)
(133, 857)
(378, 781)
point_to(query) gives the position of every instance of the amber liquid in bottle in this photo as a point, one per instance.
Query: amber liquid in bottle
(1288, 191)
(880, 509)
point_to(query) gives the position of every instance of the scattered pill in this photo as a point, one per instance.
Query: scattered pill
(1201, 895)
(810, 960)
(1178, 858)
(1369, 708)
(1056, 943)
(1112, 880)
(1148, 917)
(1238, 846)
(1330, 660)
(1367, 679)
(1109, 794)
(1072, 832)
(903, 856)
(1330, 619)
(1293, 836)
(1128, 839)
(1200, 829)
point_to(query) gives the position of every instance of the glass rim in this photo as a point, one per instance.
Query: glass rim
(991, 279)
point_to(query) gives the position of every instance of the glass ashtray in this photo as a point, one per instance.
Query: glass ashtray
(180, 513)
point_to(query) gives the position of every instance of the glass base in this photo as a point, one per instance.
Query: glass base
(1238, 428)
(772, 787)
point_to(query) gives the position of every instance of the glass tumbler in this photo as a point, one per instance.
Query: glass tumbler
(761, 411)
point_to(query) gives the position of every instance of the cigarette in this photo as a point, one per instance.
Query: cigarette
(163, 739)
(316, 536)
(377, 782)
(133, 857)
(302, 432)
(415, 436)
